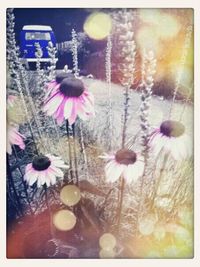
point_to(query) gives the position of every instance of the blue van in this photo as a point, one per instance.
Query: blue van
(32, 34)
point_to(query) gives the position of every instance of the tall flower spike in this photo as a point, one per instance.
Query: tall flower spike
(148, 71)
(125, 45)
(74, 49)
(108, 67)
(52, 54)
(40, 72)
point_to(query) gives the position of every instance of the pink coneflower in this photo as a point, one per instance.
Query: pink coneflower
(11, 100)
(14, 138)
(171, 138)
(54, 85)
(44, 170)
(68, 100)
(124, 163)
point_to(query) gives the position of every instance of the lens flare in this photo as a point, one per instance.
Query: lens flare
(148, 39)
(107, 241)
(70, 195)
(64, 220)
(168, 27)
(98, 25)
(107, 254)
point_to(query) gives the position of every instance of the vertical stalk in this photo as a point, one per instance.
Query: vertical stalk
(83, 150)
(24, 184)
(75, 155)
(48, 207)
(70, 150)
(121, 196)
(12, 183)
(126, 95)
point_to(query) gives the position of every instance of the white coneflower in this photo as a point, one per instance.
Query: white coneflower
(124, 163)
(171, 138)
(44, 170)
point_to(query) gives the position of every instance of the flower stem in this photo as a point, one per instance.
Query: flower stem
(75, 156)
(125, 119)
(121, 196)
(83, 150)
(70, 151)
(49, 208)
(12, 183)
(24, 184)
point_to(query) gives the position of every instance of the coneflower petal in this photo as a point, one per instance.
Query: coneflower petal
(114, 171)
(52, 106)
(68, 108)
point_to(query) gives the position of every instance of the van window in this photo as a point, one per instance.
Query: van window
(38, 36)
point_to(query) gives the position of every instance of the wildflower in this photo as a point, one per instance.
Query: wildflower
(53, 86)
(171, 138)
(69, 99)
(44, 170)
(126, 163)
(14, 138)
(10, 101)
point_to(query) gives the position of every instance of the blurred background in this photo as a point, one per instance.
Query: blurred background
(161, 30)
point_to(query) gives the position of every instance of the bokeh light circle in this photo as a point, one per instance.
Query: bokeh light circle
(146, 226)
(64, 220)
(107, 241)
(107, 254)
(70, 195)
(98, 25)
(159, 233)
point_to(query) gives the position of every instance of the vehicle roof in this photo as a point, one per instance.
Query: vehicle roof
(37, 27)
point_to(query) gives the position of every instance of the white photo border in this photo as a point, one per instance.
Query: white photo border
(4, 262)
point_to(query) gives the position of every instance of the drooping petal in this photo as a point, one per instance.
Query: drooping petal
(138, 170)
(51, 177)
(73, 115)
(88, 105)
(83, 115)
(56, 171)
(68, 108)
(47, 178)
(41, 178)
(31, 177)
(28, 167)
(129, 173)
(59, 164)
(59, 114)
(51, 107)
(89, 96)
(113, 171)
(14, 138)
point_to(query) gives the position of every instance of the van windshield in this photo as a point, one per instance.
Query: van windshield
(38, 36)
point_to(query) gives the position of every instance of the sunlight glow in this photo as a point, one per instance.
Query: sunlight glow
(98, 25)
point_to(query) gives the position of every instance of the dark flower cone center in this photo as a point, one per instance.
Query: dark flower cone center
(63, 75)
(71, 87)
(125, 156)
(41, 163)
(172, 128)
